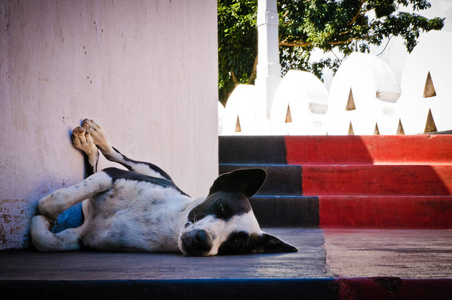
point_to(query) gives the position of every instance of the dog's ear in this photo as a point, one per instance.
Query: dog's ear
(267, 243)
(245, 181)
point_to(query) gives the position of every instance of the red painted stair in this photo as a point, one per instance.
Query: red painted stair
(357, 181)
(377, 149)
(377, 181)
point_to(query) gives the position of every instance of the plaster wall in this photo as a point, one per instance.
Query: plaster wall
(145, 70)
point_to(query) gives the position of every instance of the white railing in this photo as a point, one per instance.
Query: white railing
(365, 98)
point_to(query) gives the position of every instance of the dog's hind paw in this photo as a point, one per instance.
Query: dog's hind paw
(81, 139)
(98, 135)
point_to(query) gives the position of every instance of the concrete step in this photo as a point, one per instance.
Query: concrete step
(252, 149)
(321, 150)
(330, 264)
(281, 179)
(390, 212)
(286, 211)
(372, 288)
(350, 165)
(376, 180)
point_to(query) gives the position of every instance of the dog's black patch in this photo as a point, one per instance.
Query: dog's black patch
(222, 205)
(116, 174)
(237, 242)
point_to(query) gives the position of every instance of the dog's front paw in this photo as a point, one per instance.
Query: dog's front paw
(98, 135)
(81, 139)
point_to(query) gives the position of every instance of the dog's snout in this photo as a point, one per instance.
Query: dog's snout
(197, 242)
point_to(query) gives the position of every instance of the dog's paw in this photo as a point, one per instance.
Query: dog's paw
(81, 139)
(98, 135)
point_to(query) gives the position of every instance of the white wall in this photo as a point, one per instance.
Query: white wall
(145, 70)
(305, 97)
(374, 88)
(431, 55)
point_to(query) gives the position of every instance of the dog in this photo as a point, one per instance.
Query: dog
(141, 209)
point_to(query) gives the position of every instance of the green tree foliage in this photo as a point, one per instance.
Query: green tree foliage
(237, 44)
(341, 26)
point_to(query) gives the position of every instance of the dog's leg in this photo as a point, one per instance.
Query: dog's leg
(98, 136)
(60, 200)
(52, 205)
(82, 140)
(46, 241)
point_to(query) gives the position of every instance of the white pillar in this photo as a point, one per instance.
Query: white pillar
(268, 67)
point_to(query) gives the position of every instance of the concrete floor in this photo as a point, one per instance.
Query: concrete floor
(411, 254)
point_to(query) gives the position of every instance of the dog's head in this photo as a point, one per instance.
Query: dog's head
(225, 223)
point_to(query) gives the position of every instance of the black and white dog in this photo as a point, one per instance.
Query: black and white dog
(143, 210)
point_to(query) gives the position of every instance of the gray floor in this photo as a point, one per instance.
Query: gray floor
(322, 254)
(413, 254)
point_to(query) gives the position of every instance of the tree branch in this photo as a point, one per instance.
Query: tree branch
(358, 13)
(305, 44)
(234, 78)
(295, 44)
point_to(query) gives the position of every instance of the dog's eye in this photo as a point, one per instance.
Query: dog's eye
(238, 243)
(221, 206)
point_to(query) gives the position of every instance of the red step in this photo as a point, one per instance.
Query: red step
(352, 181)
(421, 212)
(377, 180)
(400, 149)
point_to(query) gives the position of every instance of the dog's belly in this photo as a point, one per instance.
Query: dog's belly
(135, 216)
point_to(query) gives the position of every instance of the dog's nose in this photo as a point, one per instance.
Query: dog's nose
(200, 237)
(197, 242)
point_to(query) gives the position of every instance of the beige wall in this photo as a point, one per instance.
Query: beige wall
(145, 70)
